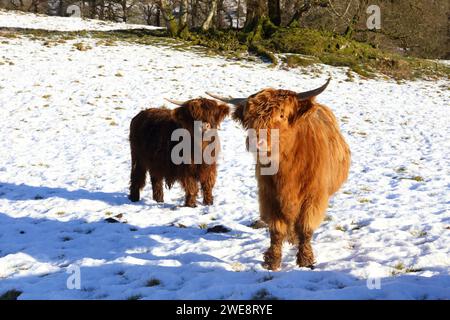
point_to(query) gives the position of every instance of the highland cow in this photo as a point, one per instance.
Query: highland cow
(151, 143)
(313, 162)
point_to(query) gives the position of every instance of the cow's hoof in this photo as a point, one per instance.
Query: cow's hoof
(190, 205)
(133, 198)
(159, 200)
(208, 202)
(271, 262)
(305, 261)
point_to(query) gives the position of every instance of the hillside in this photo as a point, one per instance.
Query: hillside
(64, 170)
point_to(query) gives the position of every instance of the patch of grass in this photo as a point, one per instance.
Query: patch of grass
(293, 61)
(399, 266)
(340, 228)
(419, 233)
(263, 294)
(11, 295)
(237, 267)
(153, 282)
(106, 42)
(328, 218)
(363, 200)
(266, 40)
(60, 213)
(415, 178)
(203, 226)
(82, 46)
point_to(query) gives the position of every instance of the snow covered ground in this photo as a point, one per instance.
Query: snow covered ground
(18, 19)
(64, 168)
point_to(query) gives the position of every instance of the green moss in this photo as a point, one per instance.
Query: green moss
(304, 46)
(261, 51)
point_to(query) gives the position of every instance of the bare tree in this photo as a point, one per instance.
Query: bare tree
(209, 18)
(183, 24)
(168, 16)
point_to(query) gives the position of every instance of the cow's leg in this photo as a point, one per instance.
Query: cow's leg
(207, 182)
(272, 257)
(309, 220)
(305, 254)
(137, 179)
(190, 186)
(157, 188)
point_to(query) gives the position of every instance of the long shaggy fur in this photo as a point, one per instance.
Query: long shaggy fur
(151, 146)
(314, 161)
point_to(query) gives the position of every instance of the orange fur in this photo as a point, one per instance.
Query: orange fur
(314, 161)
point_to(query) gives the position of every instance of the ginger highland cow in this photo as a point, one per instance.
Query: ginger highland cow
(314, 162)
(151, 149)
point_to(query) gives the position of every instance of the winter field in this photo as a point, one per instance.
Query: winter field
(65, 163)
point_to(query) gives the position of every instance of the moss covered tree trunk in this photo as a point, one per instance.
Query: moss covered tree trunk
(274, 11)
(256, 12)
(183, 29)
(169, 18)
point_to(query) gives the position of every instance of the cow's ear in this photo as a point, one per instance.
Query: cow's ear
(222, 110)
(238, 114)
(302, 107)
(182, 115)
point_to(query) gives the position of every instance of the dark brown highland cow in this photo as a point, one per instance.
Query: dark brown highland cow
(314, 161)
(151, 146)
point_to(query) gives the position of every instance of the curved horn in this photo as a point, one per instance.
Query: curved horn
(230, 100)
(177, 102)
(312, 93)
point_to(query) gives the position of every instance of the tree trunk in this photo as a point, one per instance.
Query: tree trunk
(238, 14)
(208, 21)
(158, 17)
(274, 11)
(169, 18)
(124, 10)
(219, 15)
(183, 15)
(256, 10)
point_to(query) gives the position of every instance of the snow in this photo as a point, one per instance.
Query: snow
(64, 169)
(18, 19)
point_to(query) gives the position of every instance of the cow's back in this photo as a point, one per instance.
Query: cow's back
(150, 137)
(337, 153)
